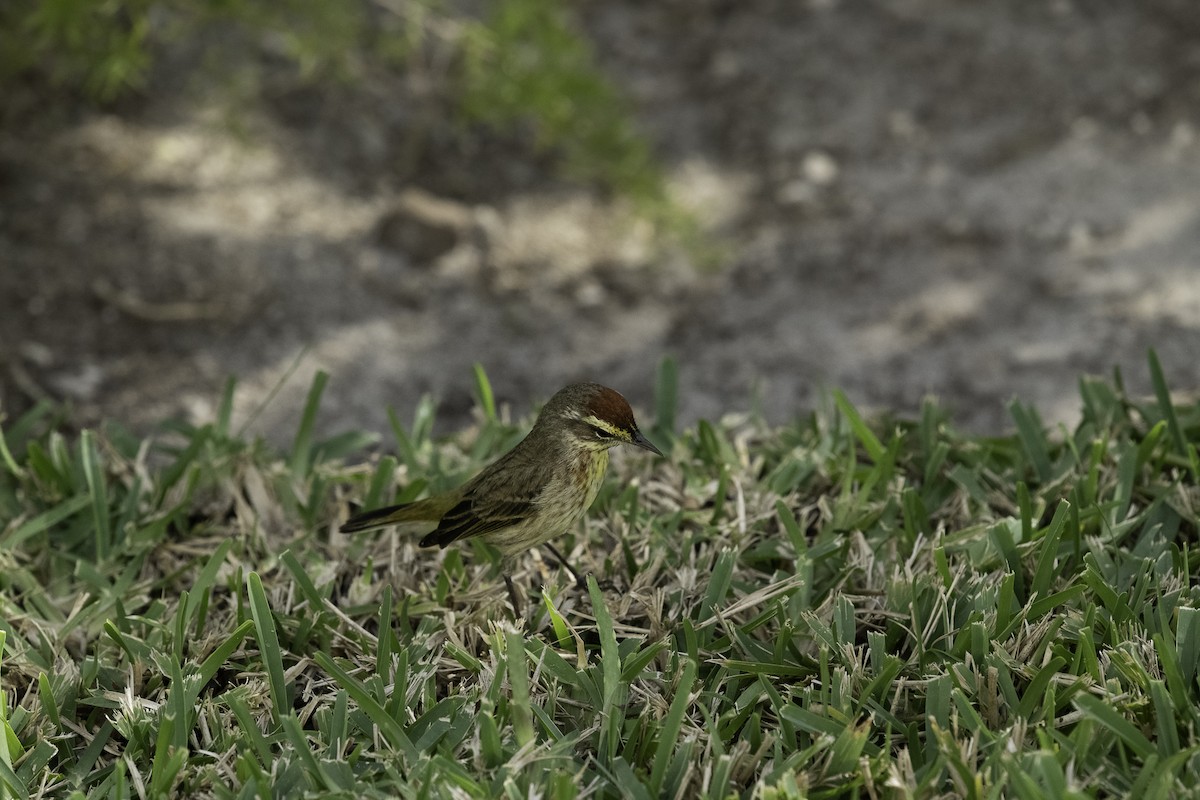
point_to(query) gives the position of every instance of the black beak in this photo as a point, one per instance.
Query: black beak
(644, 443)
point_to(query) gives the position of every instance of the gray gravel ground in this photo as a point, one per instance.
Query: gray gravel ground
(971, 200)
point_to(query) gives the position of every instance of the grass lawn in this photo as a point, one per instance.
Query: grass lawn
(835, 608)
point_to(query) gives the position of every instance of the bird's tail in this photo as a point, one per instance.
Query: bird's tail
(419, 517)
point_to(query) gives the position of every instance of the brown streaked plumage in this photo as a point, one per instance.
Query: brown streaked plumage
(534, 492)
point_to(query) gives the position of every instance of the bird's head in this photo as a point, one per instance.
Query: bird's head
(595, 416)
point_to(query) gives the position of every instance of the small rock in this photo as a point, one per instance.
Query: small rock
(1182, 135)
(590, 294)
(37, 354)
(80, 383)
(820, 168)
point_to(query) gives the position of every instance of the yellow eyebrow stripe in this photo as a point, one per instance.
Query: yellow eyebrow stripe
(605, 426)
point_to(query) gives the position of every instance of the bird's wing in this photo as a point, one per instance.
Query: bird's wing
(490, 503)
(471, 517)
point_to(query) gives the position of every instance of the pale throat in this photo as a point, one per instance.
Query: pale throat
(597, 465)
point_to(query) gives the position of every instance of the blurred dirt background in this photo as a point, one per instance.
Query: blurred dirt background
(976, 201)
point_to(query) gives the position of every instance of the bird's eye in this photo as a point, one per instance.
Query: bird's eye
(602, 434)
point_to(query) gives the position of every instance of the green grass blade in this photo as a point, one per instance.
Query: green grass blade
(1187, 642)
(610, 663)
(1035, 694)
(168, 760)
(404, 442)
(10, 745)
(10, 783)
(208, 576)
(1001, 536)
(345, 445)
(47, 520)
(1108, 716)
(668, 734)
(86, 760)
(93, 472)
(666, 398)
(792, 528)
(225, 409)
(6, 457)
(484, 394)
(1165, 716)
(1033, 440)
(562, 634)
(268, 644)
(636, 663)
(518, 680)
(1163, 395)
(316, 600)
(847, 748)
(387, 724)
(302, 449)
(808, 721)
(252, 739)
(866, 437)
(303, 749)
(383, 652)
(222, 652)
(718, 584)
(554, 664)
(45, 695)
(1043, 576)
(381, 481)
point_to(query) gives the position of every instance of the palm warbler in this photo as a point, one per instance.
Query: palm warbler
(534, 492)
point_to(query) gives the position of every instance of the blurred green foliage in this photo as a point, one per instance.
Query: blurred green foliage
(105, 48)
(519, 67)
(100, 48)
(525, 64)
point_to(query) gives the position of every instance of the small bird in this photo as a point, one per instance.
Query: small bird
(534, 492)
